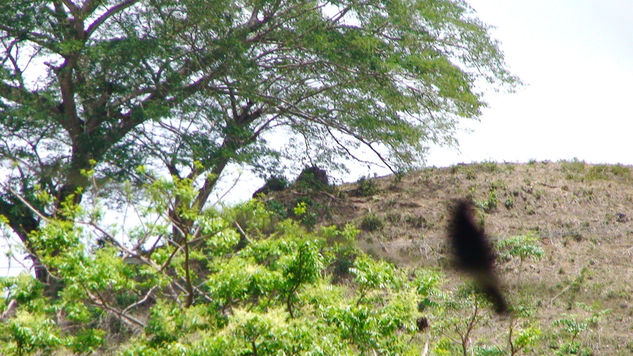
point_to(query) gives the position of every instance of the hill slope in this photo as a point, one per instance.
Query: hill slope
(582, 214)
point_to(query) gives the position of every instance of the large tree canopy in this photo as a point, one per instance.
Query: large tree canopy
(191, 86)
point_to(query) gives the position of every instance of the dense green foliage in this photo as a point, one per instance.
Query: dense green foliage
(191, 87)
(245, 283)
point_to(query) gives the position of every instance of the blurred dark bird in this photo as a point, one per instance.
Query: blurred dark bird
(474, 255)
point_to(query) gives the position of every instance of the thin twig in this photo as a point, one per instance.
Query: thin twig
(98, 300)
(9, 310)
(242, 232)
(140, 301)
(560, 293)
(228, 190)
(25, 202)
(566, 288)
(426, 348)
(198, 290)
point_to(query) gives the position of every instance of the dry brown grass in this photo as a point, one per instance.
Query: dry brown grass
(583, 214)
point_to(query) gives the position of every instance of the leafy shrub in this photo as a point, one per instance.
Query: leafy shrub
(574, 169)
(468, 170)
(602, 171)
(241, 283)
(597, 172)
(488, 351)
(272, 184)
(312, 179)
(574, 166)
(277, 207)
(520, 246)
(366, 187)
(621, 171)
(371, 222)
(490, 204)
(306, 212)
(488, 167)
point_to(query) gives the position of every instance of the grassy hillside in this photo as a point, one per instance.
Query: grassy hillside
(581, 288)
(249, 281)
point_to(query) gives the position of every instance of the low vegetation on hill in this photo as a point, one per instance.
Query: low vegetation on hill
(361, 268)
(563, 232)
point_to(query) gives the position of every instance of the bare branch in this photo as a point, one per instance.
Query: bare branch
(25, 202)
(74, 9)
(140, 301)
(293, 109)
(235, 181)
(9, 311)
(342, 146)
(100, 302)
(242, 232)
(109, 13)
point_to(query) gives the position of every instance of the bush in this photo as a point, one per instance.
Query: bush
(598, 172)
(603, 171)
(272, 184)
(574, 169)
(306, 212)
(277, 207)
(312, 179)
(366, 188)
(243, 283)
(522, 247)
(371, 222)
(490, 204)
(621, 171)
(489, 167)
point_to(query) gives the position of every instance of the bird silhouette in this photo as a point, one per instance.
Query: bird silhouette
(474, 255)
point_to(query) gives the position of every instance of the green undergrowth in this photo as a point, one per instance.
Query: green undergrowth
(260, 279)
(244, 282)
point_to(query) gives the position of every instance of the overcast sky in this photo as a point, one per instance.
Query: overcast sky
(576, 59)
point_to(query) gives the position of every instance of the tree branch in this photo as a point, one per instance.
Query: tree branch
(89, 7)
(140, 301)
(35, 37)
(24, 97)
(100, 302)
(74, 9)
(25, 202)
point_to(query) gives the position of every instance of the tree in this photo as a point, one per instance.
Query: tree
(192, 86)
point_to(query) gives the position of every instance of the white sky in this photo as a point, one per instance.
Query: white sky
(576, 60)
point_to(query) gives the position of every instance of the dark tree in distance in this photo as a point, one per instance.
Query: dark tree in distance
(192, 86)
